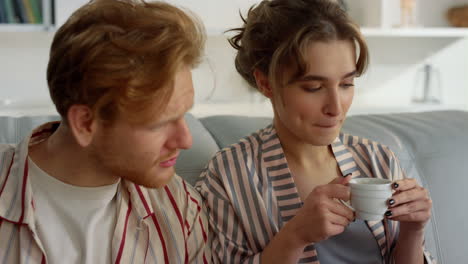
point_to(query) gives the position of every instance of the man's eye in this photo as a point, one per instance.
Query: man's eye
(157, 126)
(347, 85)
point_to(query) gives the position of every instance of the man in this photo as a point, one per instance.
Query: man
(99, 186)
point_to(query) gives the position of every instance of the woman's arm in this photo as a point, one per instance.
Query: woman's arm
(320, 218)
(285, 247)
(409, 248)
(411, 206)
(234, 242)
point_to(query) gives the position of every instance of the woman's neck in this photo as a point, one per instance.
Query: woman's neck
(301, 152)
(309, 165)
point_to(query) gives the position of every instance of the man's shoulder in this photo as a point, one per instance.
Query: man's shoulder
(6, 150)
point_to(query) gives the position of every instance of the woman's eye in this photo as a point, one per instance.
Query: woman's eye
(311, 89)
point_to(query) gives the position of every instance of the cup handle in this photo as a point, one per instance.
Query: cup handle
(346, 204)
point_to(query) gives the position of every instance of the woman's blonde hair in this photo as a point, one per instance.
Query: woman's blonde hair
(276, 34)
(121, 56)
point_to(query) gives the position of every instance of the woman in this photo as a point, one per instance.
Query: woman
(273, 196)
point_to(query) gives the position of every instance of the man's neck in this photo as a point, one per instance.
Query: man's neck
(63, 158)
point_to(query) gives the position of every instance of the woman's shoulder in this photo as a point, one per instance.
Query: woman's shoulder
(370, 146)
(249, 142)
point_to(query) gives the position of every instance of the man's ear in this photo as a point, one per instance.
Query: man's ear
(263, 84)
(82, 123)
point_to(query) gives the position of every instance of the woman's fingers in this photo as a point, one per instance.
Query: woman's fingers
(419, 216)
(338, 208)
(414, 194)
(332, 191)
(410, 208)
(404, 185)
(337, 219)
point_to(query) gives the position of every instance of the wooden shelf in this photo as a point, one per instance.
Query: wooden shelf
(264, 109)
(23, 27)
(260, 108)
(434, 32)
(423, 32)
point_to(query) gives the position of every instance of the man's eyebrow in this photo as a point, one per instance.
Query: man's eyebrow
(307, 78)
(175, 117)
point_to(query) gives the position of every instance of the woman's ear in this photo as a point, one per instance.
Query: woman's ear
(263, 84)
(82, 124)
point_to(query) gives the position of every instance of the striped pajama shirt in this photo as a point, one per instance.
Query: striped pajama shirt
(166, 225)
(251, 195)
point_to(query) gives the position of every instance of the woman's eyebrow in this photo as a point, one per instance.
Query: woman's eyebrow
(320, 78)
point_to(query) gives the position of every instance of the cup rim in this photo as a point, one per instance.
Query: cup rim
(378, 183)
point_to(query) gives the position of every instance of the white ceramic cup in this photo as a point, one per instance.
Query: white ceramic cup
(369, 197)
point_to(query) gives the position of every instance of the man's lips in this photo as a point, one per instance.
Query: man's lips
(169, 163)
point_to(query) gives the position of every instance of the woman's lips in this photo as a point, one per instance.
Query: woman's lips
(327, 125)
(168, 163)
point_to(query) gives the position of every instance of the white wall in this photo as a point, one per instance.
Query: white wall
(394, 76)
(24, 57)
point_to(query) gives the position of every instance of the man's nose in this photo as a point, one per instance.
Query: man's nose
(182, 138)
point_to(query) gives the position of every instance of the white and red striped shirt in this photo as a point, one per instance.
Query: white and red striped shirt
(166, 225)
(251, 194)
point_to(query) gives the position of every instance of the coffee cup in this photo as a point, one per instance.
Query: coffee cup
(369, 197)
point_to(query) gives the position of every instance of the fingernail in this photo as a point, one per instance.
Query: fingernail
(388, 213)
(391, 202)
(395, 185)
(349, 174)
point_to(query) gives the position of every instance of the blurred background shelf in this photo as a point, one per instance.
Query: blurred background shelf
(23, 28)
(26, 15)
(432, 32)
(255, 109)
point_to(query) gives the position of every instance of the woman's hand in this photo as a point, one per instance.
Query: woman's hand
(410, 205)
(322, 215)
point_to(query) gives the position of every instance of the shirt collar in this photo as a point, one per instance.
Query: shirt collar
(16, 202)
(344, 157)
(342, 154)
(140, 199)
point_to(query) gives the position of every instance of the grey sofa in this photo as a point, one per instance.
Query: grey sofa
(432, 147)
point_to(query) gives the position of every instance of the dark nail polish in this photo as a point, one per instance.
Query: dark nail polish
(395, 185)
(349, 174)
(391, 202)
(388, 213)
